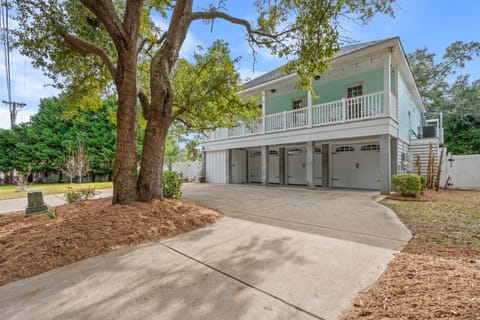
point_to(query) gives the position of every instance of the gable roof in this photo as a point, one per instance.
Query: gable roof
(278, 72)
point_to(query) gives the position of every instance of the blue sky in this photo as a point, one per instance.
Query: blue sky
(432, 23)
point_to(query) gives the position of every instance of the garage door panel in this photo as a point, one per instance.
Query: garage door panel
(273, 166)
(296, 166)
(255, 166)
(239, 166)
(356, 166)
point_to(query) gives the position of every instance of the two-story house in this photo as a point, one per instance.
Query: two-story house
(353, 131)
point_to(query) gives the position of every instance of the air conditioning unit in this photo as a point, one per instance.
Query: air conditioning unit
(429, 132)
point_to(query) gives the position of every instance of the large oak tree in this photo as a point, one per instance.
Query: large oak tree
(96, 47)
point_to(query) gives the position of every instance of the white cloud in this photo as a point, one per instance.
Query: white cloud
(28, 86)
(22, 116)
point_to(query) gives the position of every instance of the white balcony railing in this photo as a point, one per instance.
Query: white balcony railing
(341, 111)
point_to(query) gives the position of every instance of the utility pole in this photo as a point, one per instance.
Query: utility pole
(14, 107)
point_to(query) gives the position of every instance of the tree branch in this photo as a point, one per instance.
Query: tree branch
(84, 47)
(145, 103)
(199, 15)
(104, 10)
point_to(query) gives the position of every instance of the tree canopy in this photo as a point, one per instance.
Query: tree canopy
(458, 98)
(93, 49)
(43, 144)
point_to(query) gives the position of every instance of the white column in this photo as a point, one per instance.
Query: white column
(265, 165)
(387, 59)
(397, 104)
(264, 108)
(385, 164)
(310, 164)
(309, 111)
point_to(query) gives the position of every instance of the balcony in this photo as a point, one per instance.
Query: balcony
(364, 107)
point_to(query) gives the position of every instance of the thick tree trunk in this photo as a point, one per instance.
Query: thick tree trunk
(149, 185)
(159, 115)
(125, 164)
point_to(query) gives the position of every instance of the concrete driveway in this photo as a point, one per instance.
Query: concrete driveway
(277, 254)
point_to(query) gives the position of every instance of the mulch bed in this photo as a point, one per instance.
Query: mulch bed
(426, 196)
(424, 281)
(36, 244)
(429, 280)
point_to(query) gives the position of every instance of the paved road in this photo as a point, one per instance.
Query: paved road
(51, 200)
(277, 254)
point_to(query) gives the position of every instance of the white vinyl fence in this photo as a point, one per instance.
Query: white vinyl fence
(464, 171)
(190, 170)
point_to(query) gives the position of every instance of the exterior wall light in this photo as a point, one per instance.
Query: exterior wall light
(273, 90)
(317, 77)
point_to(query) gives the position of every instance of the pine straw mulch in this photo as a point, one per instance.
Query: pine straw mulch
(437, 275)
(36, 244)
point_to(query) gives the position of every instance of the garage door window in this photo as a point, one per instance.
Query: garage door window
(344, 149)
(370, 147)
(318, 150)
(255, 154)
(273, 152)
(294, 151)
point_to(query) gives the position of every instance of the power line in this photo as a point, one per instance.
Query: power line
(13, 106)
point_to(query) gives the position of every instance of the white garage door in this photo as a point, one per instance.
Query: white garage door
(239, 166)
(356, 166)
(296, 166)
(255, 166)
(273, 166)
(216, 166)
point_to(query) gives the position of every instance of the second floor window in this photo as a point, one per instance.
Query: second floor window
(297, 103)
(354, 91)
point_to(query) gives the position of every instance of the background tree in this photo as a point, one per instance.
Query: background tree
(91, 46)
(458, 98)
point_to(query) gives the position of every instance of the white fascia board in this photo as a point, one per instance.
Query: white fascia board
(348, 130)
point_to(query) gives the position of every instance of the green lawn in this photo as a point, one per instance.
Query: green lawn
(8, 192)
(452, 218)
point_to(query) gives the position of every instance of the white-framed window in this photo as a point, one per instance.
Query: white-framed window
(354, 105)
(298, 103)
(354, 90)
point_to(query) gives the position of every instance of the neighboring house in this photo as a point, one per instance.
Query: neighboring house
(354, 131)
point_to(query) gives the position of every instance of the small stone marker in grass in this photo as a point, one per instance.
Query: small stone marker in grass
(35, 203)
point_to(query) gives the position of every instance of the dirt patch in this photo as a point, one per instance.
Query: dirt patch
(437, 275)
(36, 244)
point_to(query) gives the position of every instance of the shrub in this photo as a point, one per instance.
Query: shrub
(424, 184)
(408, 185)
(80, 194)
(172, 184)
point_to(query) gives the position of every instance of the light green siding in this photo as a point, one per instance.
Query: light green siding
(283, 102)
(326, 92)
(410, 117)
(335, 90)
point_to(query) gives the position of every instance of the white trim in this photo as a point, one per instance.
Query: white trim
(349, 130)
